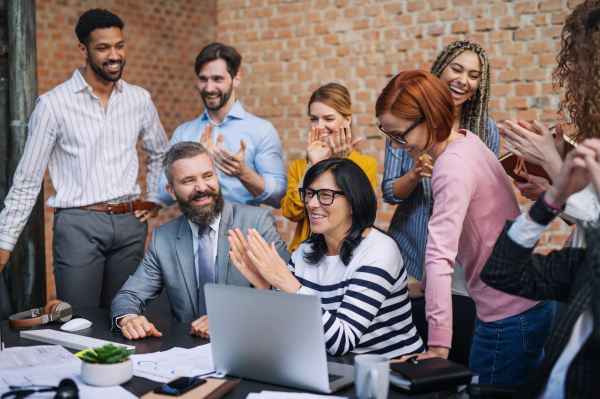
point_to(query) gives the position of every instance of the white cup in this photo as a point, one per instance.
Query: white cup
(372, 376)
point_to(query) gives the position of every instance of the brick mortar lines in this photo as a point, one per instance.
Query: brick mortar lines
(291, 47)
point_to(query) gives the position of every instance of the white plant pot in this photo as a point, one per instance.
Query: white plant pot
(106, 375)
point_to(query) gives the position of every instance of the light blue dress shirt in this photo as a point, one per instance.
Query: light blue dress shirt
(263, 155)
(409, 224)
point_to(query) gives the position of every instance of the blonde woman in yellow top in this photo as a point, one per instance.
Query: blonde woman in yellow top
(330, 112)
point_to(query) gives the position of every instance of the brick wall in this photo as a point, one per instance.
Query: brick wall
(162, 41)
(292, 47)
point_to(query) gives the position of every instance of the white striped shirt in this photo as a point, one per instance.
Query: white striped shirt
(91, 154)
(366, 308)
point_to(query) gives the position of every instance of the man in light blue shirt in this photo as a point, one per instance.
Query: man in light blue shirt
(246, 149)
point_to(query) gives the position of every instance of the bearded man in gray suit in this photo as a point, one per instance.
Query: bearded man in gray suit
(190, 250)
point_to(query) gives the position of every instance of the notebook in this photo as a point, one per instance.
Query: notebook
(272, 337)
(510, 162)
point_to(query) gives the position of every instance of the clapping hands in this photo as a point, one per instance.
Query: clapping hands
(339, 144)
(259, 262)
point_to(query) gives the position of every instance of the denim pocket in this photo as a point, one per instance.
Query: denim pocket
(536, 324)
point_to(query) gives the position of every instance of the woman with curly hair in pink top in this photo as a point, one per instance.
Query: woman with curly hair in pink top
(473, 198)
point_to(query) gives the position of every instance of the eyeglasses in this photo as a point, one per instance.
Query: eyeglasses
(324, 196)
(400, 138)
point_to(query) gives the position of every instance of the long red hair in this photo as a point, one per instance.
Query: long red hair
(418, 94)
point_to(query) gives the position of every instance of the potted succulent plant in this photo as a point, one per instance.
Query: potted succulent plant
(106, 366)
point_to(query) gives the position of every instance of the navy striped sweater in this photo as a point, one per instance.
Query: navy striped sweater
(366, 308)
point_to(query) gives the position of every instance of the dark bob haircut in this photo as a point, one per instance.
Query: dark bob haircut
(95, 19)
(355, 185)
(218, 51)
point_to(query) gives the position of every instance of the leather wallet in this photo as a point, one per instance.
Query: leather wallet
(214, 388)
(428, 375)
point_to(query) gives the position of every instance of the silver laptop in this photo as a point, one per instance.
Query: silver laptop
(272, 337)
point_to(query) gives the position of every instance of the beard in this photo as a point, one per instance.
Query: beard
(102, 73)
(202, 215)
(224, 98)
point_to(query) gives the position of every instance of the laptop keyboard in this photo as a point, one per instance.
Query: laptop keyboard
(334, 377)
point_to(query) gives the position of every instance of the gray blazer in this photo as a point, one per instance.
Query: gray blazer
(169, 263)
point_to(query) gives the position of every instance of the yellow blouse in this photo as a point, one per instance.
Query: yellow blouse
(292, 206)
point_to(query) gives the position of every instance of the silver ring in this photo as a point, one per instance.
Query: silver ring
(573, 152)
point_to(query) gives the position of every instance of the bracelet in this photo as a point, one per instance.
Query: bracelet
(543, 213)
(550, 205)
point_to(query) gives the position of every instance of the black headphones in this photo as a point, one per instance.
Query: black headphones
(67, 389)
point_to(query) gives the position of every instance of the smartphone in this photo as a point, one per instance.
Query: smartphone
(179, 386)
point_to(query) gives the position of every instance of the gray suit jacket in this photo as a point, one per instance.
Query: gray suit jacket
(169, 263)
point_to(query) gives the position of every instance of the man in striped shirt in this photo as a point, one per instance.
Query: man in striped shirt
(85, 132)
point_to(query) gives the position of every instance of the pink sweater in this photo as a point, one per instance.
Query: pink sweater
(473, 199)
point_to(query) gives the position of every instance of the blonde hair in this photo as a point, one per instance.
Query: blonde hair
(333, 95)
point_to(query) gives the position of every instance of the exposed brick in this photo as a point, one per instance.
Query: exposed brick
(438, 4)
(528, 114)
(526, 34)
(485, 24)
(500, 36)
(547, 59)
(526, 7)
(415, 5)
(536, 74)
(558, 18)
(460, 27)
(426, 17)
(541, 20)
(513, 48)
(511, 75)
(517, 103)
(395, 8)
(436, 30)
(523, 61)
(290, 48)
(526, 89)
(550, 5)
(540, 47)
(510, 22)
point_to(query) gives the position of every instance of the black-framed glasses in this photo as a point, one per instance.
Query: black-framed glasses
(400, 138)
(324, 196)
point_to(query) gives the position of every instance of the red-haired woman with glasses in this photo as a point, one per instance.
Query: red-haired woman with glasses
(473, 198)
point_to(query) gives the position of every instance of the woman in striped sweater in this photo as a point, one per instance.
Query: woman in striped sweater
(356, 270)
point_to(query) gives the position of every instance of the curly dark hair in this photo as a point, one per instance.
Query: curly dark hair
(96, 18)
(579, 69)
(475, 110)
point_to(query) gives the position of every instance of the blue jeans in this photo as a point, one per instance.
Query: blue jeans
(505, 351)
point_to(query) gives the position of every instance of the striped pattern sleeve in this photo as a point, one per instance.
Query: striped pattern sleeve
(90, 151)
(155, 143)
(362, 300)
(396, 164)
(493, 137)
(28, 175)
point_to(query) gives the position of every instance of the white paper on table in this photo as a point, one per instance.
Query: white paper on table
(51, 375)
(34, 356)
(290, 395)
(176, 362)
